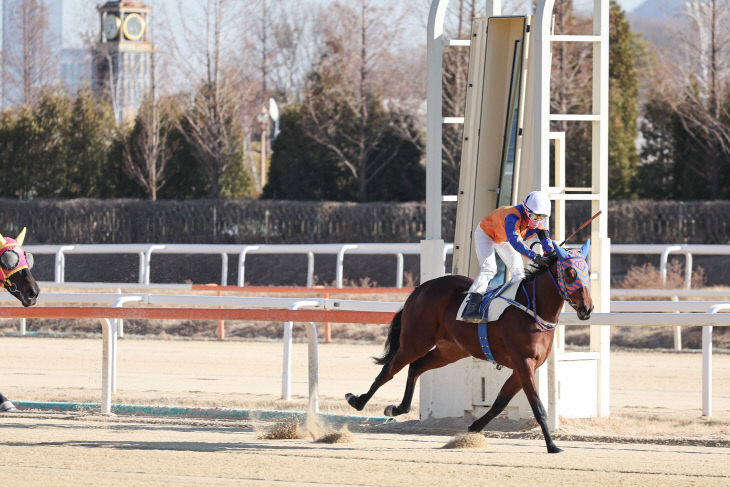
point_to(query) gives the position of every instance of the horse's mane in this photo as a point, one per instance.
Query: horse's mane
(535, 270)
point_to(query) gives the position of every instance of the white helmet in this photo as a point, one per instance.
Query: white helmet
(538, 203)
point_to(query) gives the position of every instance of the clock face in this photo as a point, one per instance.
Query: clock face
(111, 26)
(134, 26)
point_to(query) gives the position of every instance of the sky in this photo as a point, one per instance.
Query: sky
(81, 16)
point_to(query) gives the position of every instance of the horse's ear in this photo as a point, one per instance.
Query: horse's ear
(562, 254)
(21, 237)
(3, 242)
(586, 247)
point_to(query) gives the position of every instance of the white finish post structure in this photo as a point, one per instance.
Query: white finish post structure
(597, 193)
(430, 246)
(600, 336)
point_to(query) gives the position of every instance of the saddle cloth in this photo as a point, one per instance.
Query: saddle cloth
(493, 308)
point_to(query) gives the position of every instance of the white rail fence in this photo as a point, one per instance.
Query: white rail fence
(145, 251)
(110, 328)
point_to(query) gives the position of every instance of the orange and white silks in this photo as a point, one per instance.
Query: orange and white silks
(494, 224)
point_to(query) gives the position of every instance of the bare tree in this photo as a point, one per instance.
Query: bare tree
(145, 148)
(207, 63)
(352, 79)
(701, 88)
(29, 64)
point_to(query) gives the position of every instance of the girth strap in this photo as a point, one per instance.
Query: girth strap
(484, 342)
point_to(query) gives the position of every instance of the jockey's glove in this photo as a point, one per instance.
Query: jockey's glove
(541, 261)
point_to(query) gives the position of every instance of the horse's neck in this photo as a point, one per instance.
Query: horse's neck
(549, 301)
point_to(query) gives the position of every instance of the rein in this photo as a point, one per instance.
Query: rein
(532, 303)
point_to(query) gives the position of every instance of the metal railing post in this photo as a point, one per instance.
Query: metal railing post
(141, 267)
(106, 370)
(147, 259)
(61, 263)
(286, 365)
(224, 269)
(117, 331)
(341, 263)
(399, 270)
(242, 263)
(707, 362)
(663, 258)
(310, 269)
(313, 366)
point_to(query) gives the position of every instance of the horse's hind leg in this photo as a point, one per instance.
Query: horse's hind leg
(388, 371)
(511, 387)
(438, 357)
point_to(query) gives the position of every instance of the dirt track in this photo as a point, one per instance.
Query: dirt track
(67, 451)
(655, 396)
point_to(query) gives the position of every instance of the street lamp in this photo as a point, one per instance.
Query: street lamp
(263, 119)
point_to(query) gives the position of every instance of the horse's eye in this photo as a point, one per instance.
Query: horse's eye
(570, 275)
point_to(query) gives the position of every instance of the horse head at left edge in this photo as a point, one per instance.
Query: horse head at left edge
(15, 266)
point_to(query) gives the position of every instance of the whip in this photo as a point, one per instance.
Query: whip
(581, 227)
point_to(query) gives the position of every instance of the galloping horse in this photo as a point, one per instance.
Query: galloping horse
(15, 265)
(426, 334)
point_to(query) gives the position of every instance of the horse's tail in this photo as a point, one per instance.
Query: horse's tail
(392, 343)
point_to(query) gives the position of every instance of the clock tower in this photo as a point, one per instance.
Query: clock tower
(124, 56)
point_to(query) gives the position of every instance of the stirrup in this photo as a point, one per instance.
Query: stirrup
(472, 305)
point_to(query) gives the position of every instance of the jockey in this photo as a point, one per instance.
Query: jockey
(505, 230)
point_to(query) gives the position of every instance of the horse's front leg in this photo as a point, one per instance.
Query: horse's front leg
(511, 387)
(526, 369)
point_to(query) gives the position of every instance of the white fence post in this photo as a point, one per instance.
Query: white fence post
(286, 366)
(242, 263)
(399, 270)
(313, 360)
(147, 259)
(106, 370)
(341, 263)
(224, 269)
(707, 362)
(310, 269)
(61, 262)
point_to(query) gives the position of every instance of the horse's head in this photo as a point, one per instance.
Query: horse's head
(15, 265)
(573, 279)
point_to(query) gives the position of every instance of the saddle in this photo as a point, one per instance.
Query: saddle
(491, 309)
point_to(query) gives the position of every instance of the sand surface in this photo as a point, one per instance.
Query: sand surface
(655, 435)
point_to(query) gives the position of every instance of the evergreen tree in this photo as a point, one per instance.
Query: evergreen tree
(658, 152)
(623, 159)
(89, 138)
(300, 168)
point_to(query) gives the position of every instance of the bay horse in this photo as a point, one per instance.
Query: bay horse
(15, 265)
(426, 334)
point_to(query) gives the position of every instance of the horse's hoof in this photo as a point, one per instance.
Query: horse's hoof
(474, 428)
(7, 406)
(554, 449)
(352, 401)
(390, 411)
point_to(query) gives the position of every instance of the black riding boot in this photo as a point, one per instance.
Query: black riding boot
(471, 310)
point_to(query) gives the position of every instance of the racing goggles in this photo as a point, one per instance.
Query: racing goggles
(536, 217)
(10, 260)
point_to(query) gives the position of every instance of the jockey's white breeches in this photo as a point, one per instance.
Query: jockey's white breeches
(485, 247)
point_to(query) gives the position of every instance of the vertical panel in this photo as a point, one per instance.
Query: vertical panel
(491, 62)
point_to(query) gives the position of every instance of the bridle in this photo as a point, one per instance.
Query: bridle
(576, 261)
